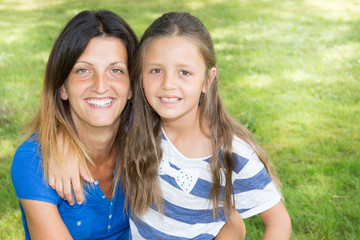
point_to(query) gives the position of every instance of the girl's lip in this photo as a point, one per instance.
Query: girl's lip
(100, 102)
(169, 99)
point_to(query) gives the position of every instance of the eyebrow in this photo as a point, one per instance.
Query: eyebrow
(111, 64)
(158, 64)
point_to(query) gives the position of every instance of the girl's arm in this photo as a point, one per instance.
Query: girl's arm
(277, 223)
(66, 180)
(234, 228)
(44, 221)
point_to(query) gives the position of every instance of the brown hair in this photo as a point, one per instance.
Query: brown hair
(53, 116)
(143, 154)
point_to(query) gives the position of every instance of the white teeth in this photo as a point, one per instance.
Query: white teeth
(100, 102)
(170, 99)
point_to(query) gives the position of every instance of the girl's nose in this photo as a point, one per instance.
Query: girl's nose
(168, 82)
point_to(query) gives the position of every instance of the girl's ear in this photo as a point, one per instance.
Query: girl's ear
(211, 76)
(63, 94)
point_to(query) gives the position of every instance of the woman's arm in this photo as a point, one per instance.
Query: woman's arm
(277, 223)
(234, 228)
(44, 221)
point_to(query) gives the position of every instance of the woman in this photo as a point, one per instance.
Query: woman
(85, 97)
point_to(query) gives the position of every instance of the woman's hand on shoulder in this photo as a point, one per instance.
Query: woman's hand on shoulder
(65, 179)
(44, 221)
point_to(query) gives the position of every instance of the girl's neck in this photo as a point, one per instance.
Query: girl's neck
(182, 127)
(189, 138)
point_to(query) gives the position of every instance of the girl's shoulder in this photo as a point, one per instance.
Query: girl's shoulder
(244, 158)
(241, 148)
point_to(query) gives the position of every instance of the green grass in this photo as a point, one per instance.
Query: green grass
(289, 71)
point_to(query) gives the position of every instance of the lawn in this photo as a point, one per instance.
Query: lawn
(289, 71)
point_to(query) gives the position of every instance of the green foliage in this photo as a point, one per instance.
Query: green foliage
(289, 71)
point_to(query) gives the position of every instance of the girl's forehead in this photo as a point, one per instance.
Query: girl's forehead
(174, 39)
(166, 44)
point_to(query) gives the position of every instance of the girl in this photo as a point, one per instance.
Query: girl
(85, 96)
(188, 164)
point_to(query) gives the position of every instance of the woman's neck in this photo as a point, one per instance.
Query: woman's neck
(99, 142)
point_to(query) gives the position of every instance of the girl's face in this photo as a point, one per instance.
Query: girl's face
(173, 78)
(98, 86)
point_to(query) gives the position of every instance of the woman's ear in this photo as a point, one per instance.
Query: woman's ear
(211, 76)
(63, 94)
(130, 95)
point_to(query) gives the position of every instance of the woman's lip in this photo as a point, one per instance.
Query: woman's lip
(100, 102)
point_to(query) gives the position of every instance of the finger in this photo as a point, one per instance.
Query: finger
(67, 191)
(84, 174)
(59, 189)
(79, 196)
(51, 181)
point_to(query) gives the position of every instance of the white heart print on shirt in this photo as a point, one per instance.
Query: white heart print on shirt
(185, 178)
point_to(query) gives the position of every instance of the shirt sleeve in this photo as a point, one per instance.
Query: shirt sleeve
(254, 190)
(28, 177)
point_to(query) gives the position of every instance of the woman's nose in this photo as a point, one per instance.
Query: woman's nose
(100, 84)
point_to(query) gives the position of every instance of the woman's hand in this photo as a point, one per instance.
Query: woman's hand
(65, 179)
(234, 228)
(277, 223)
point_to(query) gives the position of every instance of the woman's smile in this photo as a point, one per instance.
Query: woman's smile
(100, 102)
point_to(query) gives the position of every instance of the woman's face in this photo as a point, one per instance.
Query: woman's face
(98, 86)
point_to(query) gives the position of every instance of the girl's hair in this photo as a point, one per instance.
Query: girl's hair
(143, 154)
(53, 116)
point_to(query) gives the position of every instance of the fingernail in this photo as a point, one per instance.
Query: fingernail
(91, 179)
(71, 203)
(79, 202)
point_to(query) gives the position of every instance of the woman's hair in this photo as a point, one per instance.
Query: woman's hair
(53, 116)
(143, 154)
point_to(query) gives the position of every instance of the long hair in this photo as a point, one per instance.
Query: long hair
(143, 154)
(53, 116)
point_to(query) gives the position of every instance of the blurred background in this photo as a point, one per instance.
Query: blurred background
(289, 71)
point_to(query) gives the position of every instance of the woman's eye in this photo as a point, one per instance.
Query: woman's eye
(155, 71)
(185, 73)
(82, 70)
(117, 71)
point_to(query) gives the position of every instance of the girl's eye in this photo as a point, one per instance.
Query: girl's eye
(185, 73)
(117, 71)
(155, 71)
(82, 70)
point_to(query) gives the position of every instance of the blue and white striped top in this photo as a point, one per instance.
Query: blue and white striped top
(185, 184)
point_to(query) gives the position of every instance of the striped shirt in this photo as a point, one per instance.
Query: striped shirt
(185, 184)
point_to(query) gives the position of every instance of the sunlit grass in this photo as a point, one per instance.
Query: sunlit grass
(289, 71)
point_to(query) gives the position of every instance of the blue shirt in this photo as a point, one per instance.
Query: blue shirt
(97, 218)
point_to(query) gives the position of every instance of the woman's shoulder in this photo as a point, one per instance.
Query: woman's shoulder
(26, 160)
(31, 144)
(27, 173)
